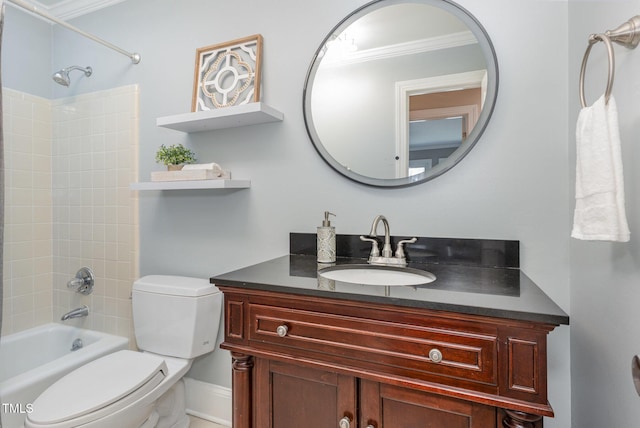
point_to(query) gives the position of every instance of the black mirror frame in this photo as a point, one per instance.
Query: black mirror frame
(492, 93)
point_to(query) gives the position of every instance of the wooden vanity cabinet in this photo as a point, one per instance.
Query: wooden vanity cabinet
(322, 362)
(291, 395)
(392, 406)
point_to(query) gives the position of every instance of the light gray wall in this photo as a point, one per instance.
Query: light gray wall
(26, 53)
(605, 277)
(513, 185)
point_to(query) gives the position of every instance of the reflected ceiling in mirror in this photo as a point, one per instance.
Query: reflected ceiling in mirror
(400, 91)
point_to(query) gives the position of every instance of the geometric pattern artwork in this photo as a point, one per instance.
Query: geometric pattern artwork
(227, 74)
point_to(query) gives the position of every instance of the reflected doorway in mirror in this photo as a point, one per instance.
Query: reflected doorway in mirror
(435, 115)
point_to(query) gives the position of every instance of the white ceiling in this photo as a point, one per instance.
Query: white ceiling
(67, 9)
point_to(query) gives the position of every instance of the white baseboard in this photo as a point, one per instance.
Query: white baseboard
(208, 401)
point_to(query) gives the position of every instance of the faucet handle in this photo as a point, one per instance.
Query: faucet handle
(375, 251)
(83, 281)
(400, 250)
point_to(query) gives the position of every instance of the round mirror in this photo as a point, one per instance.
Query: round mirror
(400, 91)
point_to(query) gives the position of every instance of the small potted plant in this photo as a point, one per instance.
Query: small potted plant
(174, 156)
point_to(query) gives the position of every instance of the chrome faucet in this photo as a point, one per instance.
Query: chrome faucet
(387, 257)
(82, 311)
(386, 249)
(77, 344)
(83, 281)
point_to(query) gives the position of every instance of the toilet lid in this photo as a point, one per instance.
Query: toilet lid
(98, 384)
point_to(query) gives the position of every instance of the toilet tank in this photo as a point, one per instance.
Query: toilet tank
(176, 316)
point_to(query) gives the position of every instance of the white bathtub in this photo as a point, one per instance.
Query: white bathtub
(33, 359)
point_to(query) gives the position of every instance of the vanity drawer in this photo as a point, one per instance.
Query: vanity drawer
(426, 351)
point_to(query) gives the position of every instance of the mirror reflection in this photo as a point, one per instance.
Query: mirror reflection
(400, 91)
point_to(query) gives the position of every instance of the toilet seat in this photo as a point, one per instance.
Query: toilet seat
(98, 388)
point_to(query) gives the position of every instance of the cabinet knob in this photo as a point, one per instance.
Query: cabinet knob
(344, 422)
(435, 355)
(282, 330)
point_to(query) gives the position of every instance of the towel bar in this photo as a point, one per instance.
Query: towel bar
(627, 35)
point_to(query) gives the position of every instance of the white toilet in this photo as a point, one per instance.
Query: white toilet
(175, 320)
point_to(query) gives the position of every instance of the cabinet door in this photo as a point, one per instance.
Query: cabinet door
(288, 395)
(387, 406)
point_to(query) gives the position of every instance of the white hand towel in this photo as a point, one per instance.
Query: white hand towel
(217, 169)
(599, 212)
(190, 166)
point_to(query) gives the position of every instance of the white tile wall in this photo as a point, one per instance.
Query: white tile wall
(28, 258)
(72, 207)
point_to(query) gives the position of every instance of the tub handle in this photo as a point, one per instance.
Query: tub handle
(83, 281)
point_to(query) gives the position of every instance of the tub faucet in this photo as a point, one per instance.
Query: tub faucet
(83, 281)
(387, 258)
(82, 311)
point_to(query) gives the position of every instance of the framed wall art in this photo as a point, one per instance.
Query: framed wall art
(227, 74)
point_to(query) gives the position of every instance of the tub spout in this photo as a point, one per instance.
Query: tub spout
(82, 311)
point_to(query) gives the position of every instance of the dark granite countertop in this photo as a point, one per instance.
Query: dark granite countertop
(503, 292)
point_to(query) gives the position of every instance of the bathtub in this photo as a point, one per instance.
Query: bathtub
(33, 359)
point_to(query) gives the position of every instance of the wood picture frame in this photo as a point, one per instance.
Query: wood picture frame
(227, 74)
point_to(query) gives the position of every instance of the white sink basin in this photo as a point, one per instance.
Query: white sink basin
(377, 275)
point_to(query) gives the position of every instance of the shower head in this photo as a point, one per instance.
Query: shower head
(62, 77)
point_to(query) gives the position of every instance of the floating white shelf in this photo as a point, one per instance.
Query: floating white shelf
(191, 184)
(228, 117)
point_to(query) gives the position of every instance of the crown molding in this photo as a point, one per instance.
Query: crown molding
(69, 9)
(408, 48)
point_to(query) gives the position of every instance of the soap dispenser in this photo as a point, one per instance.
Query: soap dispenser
(326, 240)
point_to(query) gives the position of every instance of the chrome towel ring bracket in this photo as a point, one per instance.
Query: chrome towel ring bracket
(593, 39)
(627, 35)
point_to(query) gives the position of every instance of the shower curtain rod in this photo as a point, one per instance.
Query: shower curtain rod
(135, 57)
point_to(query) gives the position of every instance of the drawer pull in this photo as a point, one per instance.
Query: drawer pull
(282, 330)
(435, 355)
(344, 422)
